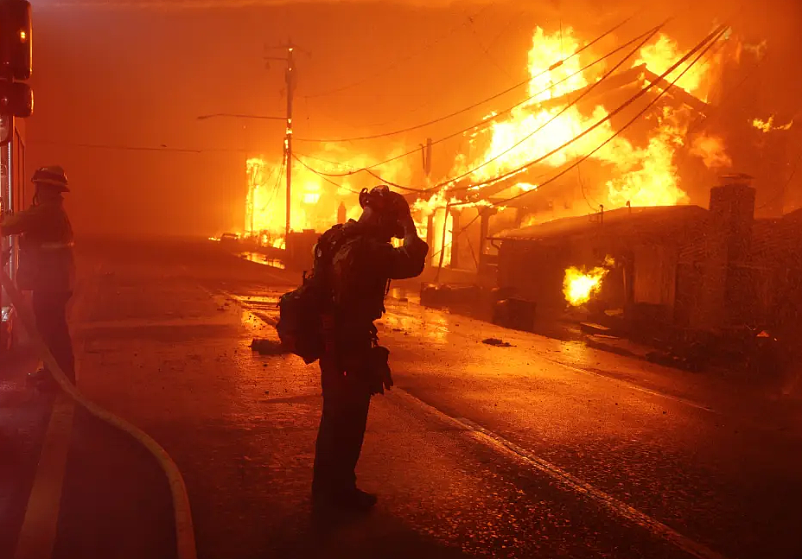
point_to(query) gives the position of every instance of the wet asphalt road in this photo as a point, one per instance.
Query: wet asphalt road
(542, 449)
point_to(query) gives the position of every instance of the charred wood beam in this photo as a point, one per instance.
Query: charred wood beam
(623, 79)
(488, 192)
(614, 82)
(677, 92)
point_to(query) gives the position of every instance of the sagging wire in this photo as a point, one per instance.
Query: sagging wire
(781, 191)
(709, 41)
(324, 177)
(714, 36)
(474, 105)
(487, 121)
(585, 93)
(395, 64)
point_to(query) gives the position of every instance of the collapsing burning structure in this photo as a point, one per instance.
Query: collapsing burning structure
(617, 138)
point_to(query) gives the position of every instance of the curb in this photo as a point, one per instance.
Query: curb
(185, 532)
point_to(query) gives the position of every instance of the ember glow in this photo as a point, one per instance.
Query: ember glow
(579, 285)
(767, 126)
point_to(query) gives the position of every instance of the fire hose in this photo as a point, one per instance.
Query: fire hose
(185, 533)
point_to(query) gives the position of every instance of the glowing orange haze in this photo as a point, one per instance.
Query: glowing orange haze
(642, 176)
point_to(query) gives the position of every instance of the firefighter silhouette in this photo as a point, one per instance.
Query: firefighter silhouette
(358, 261)
(46, 265)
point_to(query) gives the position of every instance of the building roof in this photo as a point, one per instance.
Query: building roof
(655, 221)
(778, 238)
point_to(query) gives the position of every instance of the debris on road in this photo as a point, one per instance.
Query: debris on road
(268, 347)
(518, 314)
(496, 342)
(593, 328)
(439, 296)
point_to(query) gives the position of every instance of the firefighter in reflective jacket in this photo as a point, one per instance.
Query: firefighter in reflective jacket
(46, 265)
(359, 265)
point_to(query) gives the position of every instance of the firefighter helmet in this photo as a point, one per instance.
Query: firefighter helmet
(389, 206)
(383, 200)
(51, 176)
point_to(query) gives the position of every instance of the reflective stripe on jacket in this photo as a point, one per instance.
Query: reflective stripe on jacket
(46, 257)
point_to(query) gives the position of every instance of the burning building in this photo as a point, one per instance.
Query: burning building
(617, 259)
(606, 126)
(317, 200)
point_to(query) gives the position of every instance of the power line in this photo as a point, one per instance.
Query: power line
(529, 136)
(714, 36)
(375, 175)
(426, 46)
(324, 177)
(515, 18)
(485, 50)
(485, 122)
(730, 95)
(162, 148)
(710, 39)
(474, 105)
(278, 176)
(784, 187)
(272, 196)
(582, 189)
(430, 98)
(399, 186)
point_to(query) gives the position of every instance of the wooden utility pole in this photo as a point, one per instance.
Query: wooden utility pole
(290, 79)
(455, 215)
(427, 169)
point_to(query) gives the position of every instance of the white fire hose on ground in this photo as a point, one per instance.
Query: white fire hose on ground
(184, 530)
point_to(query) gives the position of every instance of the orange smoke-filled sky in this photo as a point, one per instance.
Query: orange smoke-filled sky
(136, 74)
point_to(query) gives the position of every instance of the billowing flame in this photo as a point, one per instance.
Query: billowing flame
(664, 52)
(643, 175)
(711, 150)
(767, 126)
(315, 201)
(639, 169)
(546, 51)
(434, 209)
(579, 285)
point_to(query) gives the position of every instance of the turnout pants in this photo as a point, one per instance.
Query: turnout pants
(50, 311)
(346, 399)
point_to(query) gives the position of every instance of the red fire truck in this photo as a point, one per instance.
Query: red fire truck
(16, 103)
(12, 199)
